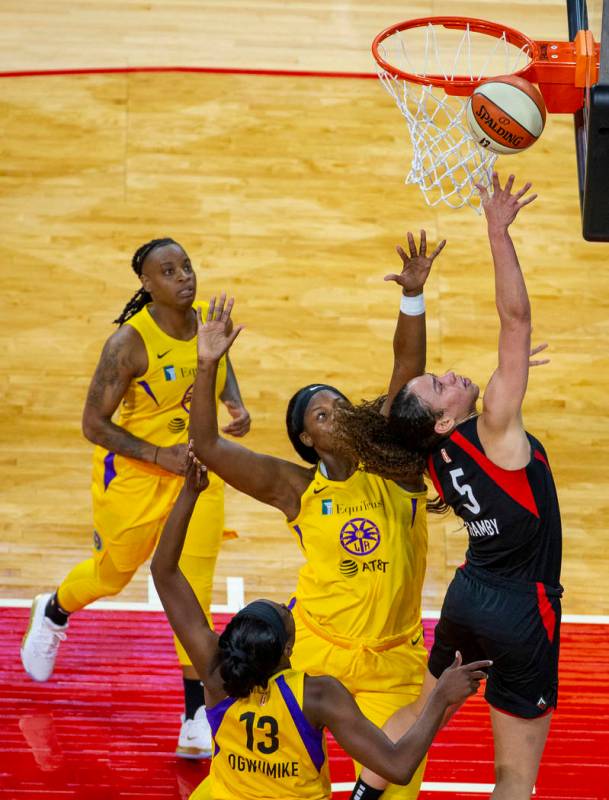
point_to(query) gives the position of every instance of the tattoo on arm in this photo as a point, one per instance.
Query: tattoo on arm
(114, 372)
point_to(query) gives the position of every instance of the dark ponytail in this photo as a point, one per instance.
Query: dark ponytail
(249, 653)
(141, 298)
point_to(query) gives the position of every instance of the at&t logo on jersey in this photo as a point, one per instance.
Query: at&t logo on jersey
(360, 536)
(170, 373)
(350, 568)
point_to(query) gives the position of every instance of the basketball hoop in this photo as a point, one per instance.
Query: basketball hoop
(431, 65)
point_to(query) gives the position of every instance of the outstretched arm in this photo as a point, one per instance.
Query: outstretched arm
(500, 426)
(327, 702)
(183, 611)
(270, 480)
(409, 340)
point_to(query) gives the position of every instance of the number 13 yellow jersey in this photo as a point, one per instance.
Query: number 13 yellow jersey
(264, 747)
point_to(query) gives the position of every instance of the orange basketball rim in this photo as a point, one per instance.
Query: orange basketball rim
(562, 70)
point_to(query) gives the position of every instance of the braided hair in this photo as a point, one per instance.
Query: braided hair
(141, 298)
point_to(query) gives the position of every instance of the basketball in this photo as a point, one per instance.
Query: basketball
(506, 114)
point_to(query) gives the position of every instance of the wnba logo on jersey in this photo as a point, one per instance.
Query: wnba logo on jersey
(360, 536)
(170, 373)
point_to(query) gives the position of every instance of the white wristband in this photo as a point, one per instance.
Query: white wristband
(413, 306)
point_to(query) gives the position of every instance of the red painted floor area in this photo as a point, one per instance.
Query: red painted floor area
(106, 724)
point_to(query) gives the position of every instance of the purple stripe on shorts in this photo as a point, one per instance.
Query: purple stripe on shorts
(109, 470)
(312, 738)
(148, 390)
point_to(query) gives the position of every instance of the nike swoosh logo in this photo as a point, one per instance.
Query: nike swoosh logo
(161, 355)
(413, 642)
(317, 491)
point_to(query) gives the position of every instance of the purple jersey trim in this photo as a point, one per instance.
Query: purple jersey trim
(299, 532)
(312, 738)
(148, 390)
(292, 603)
(414, 502)
(215, 715)
(109, 470)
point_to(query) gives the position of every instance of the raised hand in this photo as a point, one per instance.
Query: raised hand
(458, 681)
(416, 266)
(216, 335)
(502, 207)
(241, 421)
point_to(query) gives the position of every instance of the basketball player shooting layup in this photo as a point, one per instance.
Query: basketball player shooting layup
(504, 602)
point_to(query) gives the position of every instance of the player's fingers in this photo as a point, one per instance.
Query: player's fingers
(458, 660)
(496, 184)
(392, 277)
(220, 308)
(539, 362)
(524, 190)
(438, 249)
(527, 201)
(234, 334)
(538, 348)
(210, 309)
(509, 183)
(478, 665)
(411, 245)
(228, 309)
(423, 247)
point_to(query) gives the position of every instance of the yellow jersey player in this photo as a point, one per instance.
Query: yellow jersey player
(147, 368)
(268, 718)
(357, 605)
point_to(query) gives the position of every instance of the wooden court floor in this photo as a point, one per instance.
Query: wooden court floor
(286, 191)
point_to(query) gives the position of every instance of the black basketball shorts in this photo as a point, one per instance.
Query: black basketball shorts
(514, 624)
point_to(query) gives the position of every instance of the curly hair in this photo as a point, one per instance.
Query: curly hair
(395, 447)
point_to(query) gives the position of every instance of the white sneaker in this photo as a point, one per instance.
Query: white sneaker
(195, 736)
(41, 641)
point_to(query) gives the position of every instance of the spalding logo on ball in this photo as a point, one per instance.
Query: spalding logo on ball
(506, 114)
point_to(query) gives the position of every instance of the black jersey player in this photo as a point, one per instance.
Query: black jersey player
(504, 601)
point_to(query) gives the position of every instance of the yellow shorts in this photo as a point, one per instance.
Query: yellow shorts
(380, 681)
(131, 505)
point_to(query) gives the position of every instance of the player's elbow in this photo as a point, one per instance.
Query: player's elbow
(207, 450)
(516, 313)
(399, 777)
(91, 426)
(161, 575)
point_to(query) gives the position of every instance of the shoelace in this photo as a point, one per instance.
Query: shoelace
(48, 641)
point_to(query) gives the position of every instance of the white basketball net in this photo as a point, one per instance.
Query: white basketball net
(447, 163)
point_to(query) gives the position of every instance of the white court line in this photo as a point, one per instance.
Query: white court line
(235, 600)
(433, 786)
(436, 786)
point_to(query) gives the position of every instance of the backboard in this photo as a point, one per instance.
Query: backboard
(592, 123)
